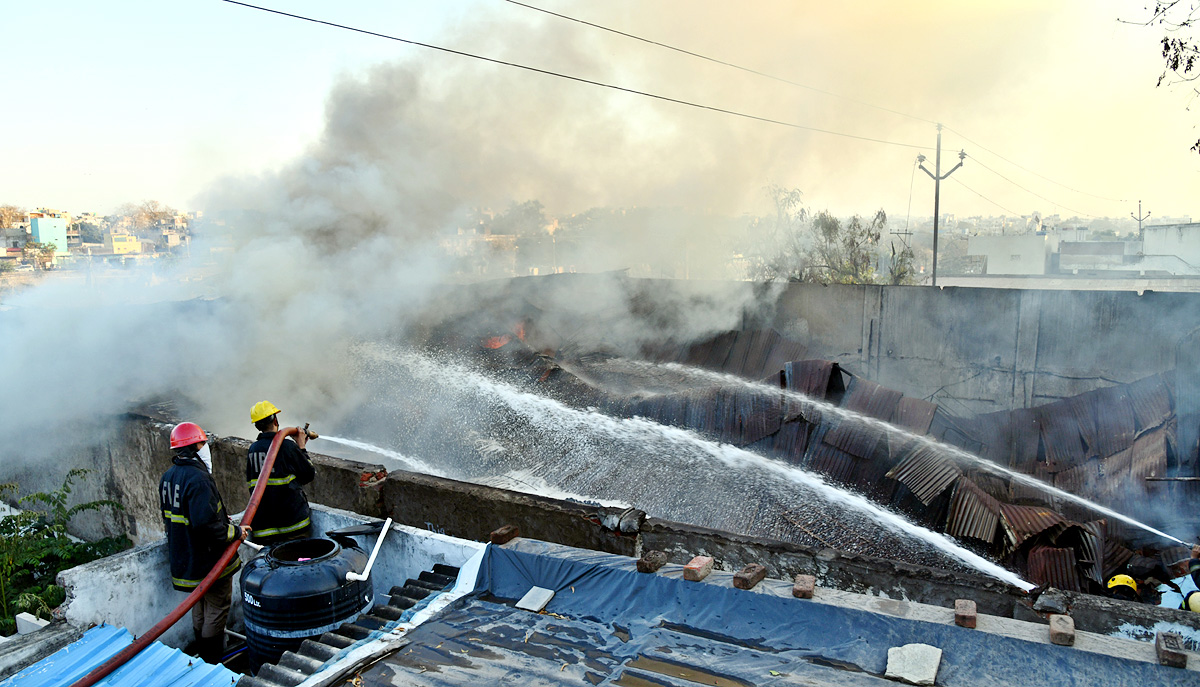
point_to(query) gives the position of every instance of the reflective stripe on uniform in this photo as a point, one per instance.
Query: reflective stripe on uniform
(282, 530)
(176, 518)
(273, 481)
(237, 562)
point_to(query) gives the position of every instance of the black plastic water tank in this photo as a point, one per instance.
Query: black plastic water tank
(298, 590)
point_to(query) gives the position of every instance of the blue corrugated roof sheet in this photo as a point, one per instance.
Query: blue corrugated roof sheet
(155, 666)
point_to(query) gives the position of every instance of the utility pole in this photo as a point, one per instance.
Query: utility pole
(937, 177)
(1140, 218)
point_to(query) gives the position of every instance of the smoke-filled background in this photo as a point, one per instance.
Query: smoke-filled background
(341, 240)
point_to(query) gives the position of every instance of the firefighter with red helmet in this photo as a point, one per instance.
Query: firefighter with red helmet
(198, 532)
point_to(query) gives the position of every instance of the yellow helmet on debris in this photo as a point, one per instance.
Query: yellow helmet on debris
(262, 410)
(1122, 580)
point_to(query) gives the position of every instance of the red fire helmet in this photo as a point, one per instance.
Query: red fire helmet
(186, 434)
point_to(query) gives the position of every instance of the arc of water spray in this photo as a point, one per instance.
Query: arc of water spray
(925, 441)
(537, 408)
(415, 463)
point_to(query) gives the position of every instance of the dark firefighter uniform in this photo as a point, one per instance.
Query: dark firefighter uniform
(198, 532)
(283, 512)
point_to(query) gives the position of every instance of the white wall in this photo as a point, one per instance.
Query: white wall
(1025, 254)
(132, 589)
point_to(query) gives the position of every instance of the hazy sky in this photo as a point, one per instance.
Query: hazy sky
(115, 102)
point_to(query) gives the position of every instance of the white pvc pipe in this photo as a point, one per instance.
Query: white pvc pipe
(256, 547)
(359, 577)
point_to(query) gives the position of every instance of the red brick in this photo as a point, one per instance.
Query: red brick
(505, 534)
(749, 576)
(964, 613)
(804, 586)
(1062, 630)
(651, 561)
(698, 568)
(1169, 647)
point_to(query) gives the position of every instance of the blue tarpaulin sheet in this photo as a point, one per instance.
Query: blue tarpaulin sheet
(737, 634)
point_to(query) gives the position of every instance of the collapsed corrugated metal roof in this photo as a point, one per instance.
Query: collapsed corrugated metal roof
(973, 513)
(926, 473)
(1023, 522)
(156, 664)
(1055, 567)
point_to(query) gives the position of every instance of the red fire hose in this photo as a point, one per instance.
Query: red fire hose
(192, 599)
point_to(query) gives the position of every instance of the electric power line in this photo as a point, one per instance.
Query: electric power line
(1019, 166)
(719, 61)
(579, 79)
(960, 183)
(1077, 212)
(817, 90)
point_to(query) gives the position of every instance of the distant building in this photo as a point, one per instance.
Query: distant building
(50, 227)
(122, 244)
(1027, 254)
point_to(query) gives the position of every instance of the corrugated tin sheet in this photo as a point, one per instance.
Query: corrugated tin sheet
(1149, 455)
(867, 398)
(1115, 558)
(1083, 479)
(1083, 410)
(753, 353)
(1055, 567)
(1024, 522)
(809, 377)
(831, 462)
(914, 414)
(1092, 549)
(1115, 421)
(1060, 436)
(1151, 401)
(156, 665)
(925, 473)
(973, 513)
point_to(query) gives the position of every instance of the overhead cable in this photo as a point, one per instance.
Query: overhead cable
(960, 183)
(580, 79)
(1077, 212)
(1020, 166)
(811, 88)
(721, 62)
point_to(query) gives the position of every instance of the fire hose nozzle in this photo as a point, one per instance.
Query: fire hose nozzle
(310, 434)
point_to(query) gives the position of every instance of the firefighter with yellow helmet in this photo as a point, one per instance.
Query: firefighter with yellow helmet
(283, 513)
(1123, 587)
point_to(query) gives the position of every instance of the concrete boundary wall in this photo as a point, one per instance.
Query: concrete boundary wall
(974, 350)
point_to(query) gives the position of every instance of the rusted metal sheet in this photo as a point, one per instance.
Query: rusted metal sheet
(809, 377)
(994, 485)
(973, 513)
(1090, 554)
(1115, 557)
(1023, 522)
(832, 462)
(1060, 436)
(1149, 455)
(867, 398)
(925, 473)
(1082, 480)
(1083, 411)
(1115, 422)
(914, 414)
(1151, 401)
(1055, 567)
(1033, 495)
(791, 440)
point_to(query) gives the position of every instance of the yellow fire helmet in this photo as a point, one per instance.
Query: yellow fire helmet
(265, 409)
(1122, 580)
(1191, 602)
